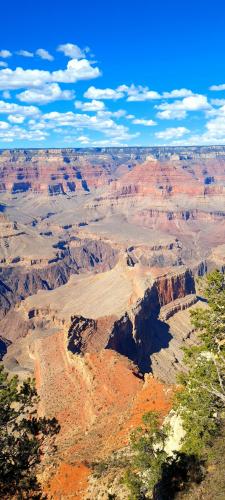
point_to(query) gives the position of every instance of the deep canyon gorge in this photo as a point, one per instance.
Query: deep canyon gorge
(100, 251)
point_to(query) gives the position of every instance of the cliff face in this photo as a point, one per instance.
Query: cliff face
(134, 334)
(127, 326)
(52, 172)
(162, 172)
(17, 282)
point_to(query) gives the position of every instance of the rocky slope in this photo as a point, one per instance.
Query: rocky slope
(112, 310)
(85, 341)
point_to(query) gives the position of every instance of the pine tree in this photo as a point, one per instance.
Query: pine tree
(24, 438)
(201, 398)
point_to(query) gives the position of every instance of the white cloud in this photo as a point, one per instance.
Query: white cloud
(119, 113)
(213, 133)
(115, 114)
(100, 122)
(16, 133)
(93, 105)
(25, 53)
(76, 70)
(11, 108)
(142, 121)
(215, 128)
(21, 78)
(3, 64)
(16, 119)
(172, 133)
(72, 51)
(116, 141)
(4, 125)
(135, 93)
(217, 102)
(217, 87)
(178, 109)
(177, 93)
(93, 93)
(34, 78)
(170, 113)
(34, 124)
(83, 139)
(44, 54)
(139, 93)
(5, 53)
(48, 93)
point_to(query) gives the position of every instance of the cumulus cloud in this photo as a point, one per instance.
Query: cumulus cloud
(83, 139)
(12, 108)
(171, 113)
(44, 54)
(13, 133)
(25, 53)
(142, 121)
(76, 70)
(178, 109)
(140, 93)
(3, 64)
(5, 53)
(100, 122)
(93, 93)
(27, 78)
(93, 105)
(217, 102)
(177, 93)
(48, 93)
(217, 87)
(213, 132)
(215, 128)
(21, 78)
(16, 118)
(72, 51)
(135, 93)
(120, 113)
(172, 133)
(3, 125)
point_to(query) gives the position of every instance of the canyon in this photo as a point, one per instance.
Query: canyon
(100, 251)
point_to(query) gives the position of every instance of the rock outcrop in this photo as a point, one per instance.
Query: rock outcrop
(23, 277)
(116, 310)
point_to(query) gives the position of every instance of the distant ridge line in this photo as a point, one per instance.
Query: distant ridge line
(214, 147)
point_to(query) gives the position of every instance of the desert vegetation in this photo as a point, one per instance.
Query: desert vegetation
(27, 441)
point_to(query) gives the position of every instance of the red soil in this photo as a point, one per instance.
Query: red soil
(69, 482)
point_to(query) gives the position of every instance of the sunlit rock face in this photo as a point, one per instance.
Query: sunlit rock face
(162, 172)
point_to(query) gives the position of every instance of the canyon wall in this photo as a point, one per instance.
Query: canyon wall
(67, 171)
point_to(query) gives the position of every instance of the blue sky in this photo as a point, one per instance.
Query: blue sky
(96, 73)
